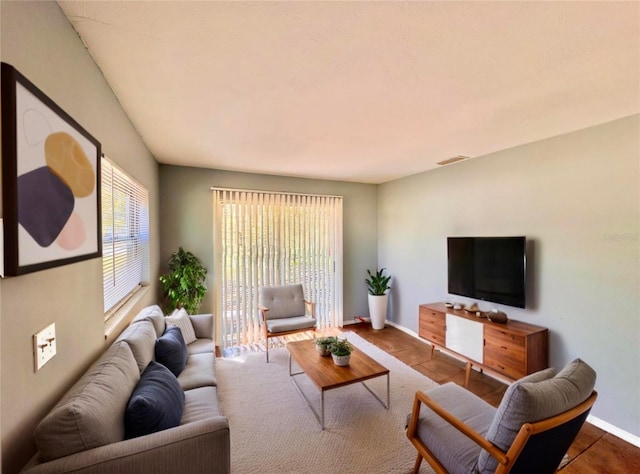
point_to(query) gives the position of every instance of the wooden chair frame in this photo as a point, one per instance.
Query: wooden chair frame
(507, 459)
(310, 311)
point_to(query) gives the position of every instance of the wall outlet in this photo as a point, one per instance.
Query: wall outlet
(44, 346)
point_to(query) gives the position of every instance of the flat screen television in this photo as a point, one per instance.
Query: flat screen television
(488, 269)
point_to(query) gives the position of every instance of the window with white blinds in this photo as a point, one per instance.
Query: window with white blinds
(265, 238)
(125, 235)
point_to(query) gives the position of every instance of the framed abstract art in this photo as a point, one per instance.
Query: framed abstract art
(50, 181)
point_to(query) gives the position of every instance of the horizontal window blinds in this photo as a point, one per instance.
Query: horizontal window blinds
(263, 239)
(125, 234)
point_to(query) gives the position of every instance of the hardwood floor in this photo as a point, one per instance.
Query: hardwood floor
(593, 451)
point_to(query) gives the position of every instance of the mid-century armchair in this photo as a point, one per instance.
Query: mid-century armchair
(284, 310)
(536, 422)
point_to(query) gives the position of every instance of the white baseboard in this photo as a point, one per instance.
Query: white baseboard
(614, 430)
(608, 427)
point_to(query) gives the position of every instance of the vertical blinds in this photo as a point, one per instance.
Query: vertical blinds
(125, 234)
(263, 239)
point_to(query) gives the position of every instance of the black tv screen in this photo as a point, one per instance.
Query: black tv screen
(488, 268)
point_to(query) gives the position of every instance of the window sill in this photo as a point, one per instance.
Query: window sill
(121, 318)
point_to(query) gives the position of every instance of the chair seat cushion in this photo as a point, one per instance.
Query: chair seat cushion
(290, 324)
(456, 452)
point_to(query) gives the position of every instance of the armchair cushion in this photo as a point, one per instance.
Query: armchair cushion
(290, 324)
(283, 301)
(533, 398)
(456, 452)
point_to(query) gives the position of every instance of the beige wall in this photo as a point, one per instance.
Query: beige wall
(186, 213)
(577, 198)
(41, 44)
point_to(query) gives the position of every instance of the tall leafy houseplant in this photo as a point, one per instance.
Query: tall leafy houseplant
(378, 284)
(184, 285)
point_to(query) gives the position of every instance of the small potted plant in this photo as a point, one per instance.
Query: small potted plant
(341, 351)
(378, 284)
(323, 345)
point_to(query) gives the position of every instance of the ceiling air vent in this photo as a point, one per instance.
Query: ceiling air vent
(452, 160)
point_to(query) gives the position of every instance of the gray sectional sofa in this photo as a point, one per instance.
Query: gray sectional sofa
(89, 430)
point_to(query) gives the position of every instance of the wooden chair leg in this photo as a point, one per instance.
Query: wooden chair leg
(416, 468)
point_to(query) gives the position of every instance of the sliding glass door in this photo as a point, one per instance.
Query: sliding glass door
(265, 238)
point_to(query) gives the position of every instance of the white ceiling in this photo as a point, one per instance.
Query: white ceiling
(359, 91)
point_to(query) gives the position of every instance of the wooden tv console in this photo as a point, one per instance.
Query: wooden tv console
(510, 350)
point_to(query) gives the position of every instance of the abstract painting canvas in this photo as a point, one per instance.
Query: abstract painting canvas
(50, 180)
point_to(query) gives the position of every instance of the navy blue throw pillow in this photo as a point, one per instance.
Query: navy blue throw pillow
(171, 351)
(156, 403)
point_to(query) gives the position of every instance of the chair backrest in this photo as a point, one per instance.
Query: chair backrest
(286, 301)
(540, 452)
(536, 397)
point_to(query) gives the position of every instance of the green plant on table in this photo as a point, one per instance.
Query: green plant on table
(184, 286)
(341, 347)
(325, 341)
(378, 283)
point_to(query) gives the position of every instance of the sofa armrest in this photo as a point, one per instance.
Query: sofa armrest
(202, 325)
(199, 447)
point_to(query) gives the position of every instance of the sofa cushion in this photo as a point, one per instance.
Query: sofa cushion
(200, 371)
(141, 337)
(171, 351)
(201, 346)
(200, 403)
(180, 319)
(91, 414)
(157, 402)
(283, 301)
(153, 314)
(534, 398)
(202, 325)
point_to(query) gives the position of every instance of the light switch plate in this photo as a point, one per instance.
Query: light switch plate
(44, 346)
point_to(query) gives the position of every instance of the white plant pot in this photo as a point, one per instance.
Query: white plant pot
(323, 350)
(378, 310)
(341, 361)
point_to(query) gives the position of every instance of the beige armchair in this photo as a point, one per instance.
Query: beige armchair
(284, 310)
(536, 422)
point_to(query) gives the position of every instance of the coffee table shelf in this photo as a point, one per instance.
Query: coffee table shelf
(325, 375)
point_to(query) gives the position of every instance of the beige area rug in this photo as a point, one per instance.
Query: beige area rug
(274, 431)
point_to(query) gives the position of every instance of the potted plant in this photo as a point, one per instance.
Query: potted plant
(378, 284)
(184, 286)
(323, 345)
(341, 351)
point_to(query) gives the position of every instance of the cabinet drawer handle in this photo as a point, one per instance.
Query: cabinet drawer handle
(503, 347)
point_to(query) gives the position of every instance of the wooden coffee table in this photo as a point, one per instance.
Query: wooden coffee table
(325, 375)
